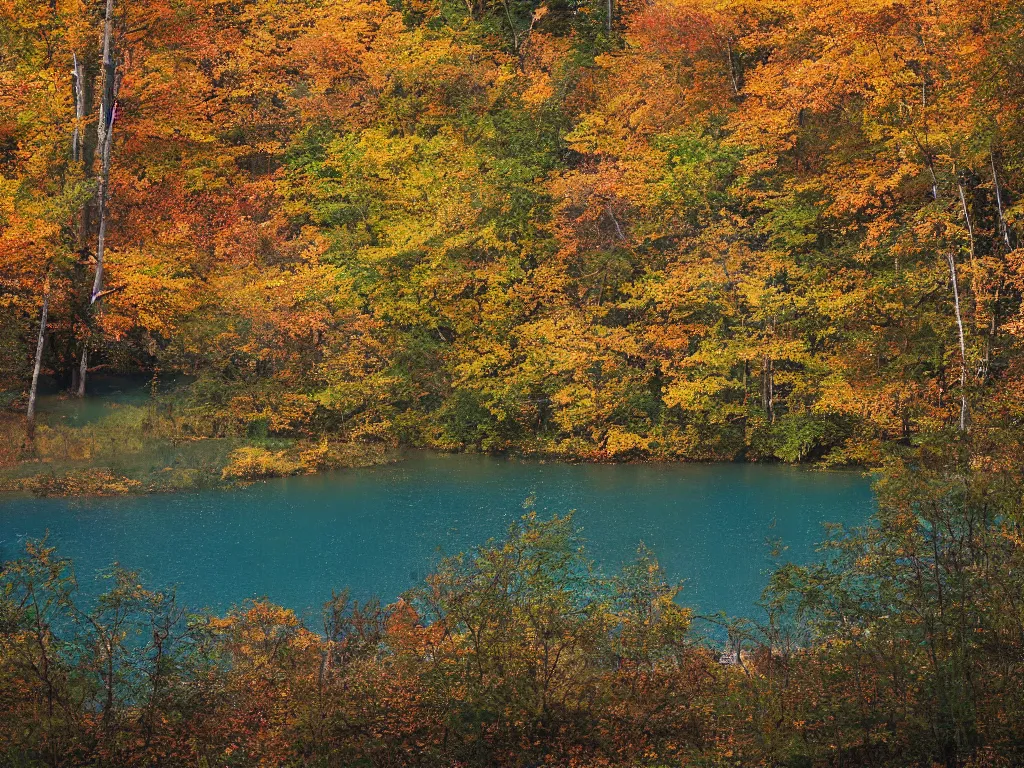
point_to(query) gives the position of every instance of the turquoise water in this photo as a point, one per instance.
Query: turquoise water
(377, 531)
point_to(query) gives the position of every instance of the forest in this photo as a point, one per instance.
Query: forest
(675, 229)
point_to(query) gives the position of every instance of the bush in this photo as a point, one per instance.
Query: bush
(255, 463)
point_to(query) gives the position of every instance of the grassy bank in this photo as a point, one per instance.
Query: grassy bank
(147, 449)
(163, 445)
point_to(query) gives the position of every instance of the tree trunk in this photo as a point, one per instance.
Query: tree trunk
(78, 148)
(512, 27)
(728, 53)
(1004, 230)
(768, 387)
(975, 281)
(104, 137)
(78, 85)
(951, 260)
(83, 368)
(30, 416)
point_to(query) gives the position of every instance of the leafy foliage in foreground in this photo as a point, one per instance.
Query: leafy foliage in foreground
(692, 229)
(903, 647)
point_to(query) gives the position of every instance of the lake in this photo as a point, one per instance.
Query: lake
(378, 531)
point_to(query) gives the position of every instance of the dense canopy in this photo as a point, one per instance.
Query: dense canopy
(674, 229)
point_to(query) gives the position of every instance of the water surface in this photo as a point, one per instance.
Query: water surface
(378, 531)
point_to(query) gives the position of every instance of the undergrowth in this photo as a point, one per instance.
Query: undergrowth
(150, 448)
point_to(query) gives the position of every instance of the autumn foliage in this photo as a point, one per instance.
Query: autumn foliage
(675, 229)
(685, 230)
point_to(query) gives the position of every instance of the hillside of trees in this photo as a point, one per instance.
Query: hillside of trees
(676, 229)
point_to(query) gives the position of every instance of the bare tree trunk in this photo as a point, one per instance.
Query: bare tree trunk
(1003, 229)
(30, 416)
(610, 9)
(78, 84)
(732, 67)
(768, 387)
(951, 260)
(83, 368)
(512, 27)
(104, 136)
(935, 181)
(77, 155)
(78, 139)
(975, 282)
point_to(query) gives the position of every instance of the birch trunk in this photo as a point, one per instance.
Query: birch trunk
(30, 416)
(78, 84)
(970, 240)
(1004, 230)
(768, 387)
(104, 140)
(951, 260)
(732, 67)
(78, 149)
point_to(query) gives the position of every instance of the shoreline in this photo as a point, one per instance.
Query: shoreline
(253, 462)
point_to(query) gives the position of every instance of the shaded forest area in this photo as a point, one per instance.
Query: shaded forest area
(668, 229)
